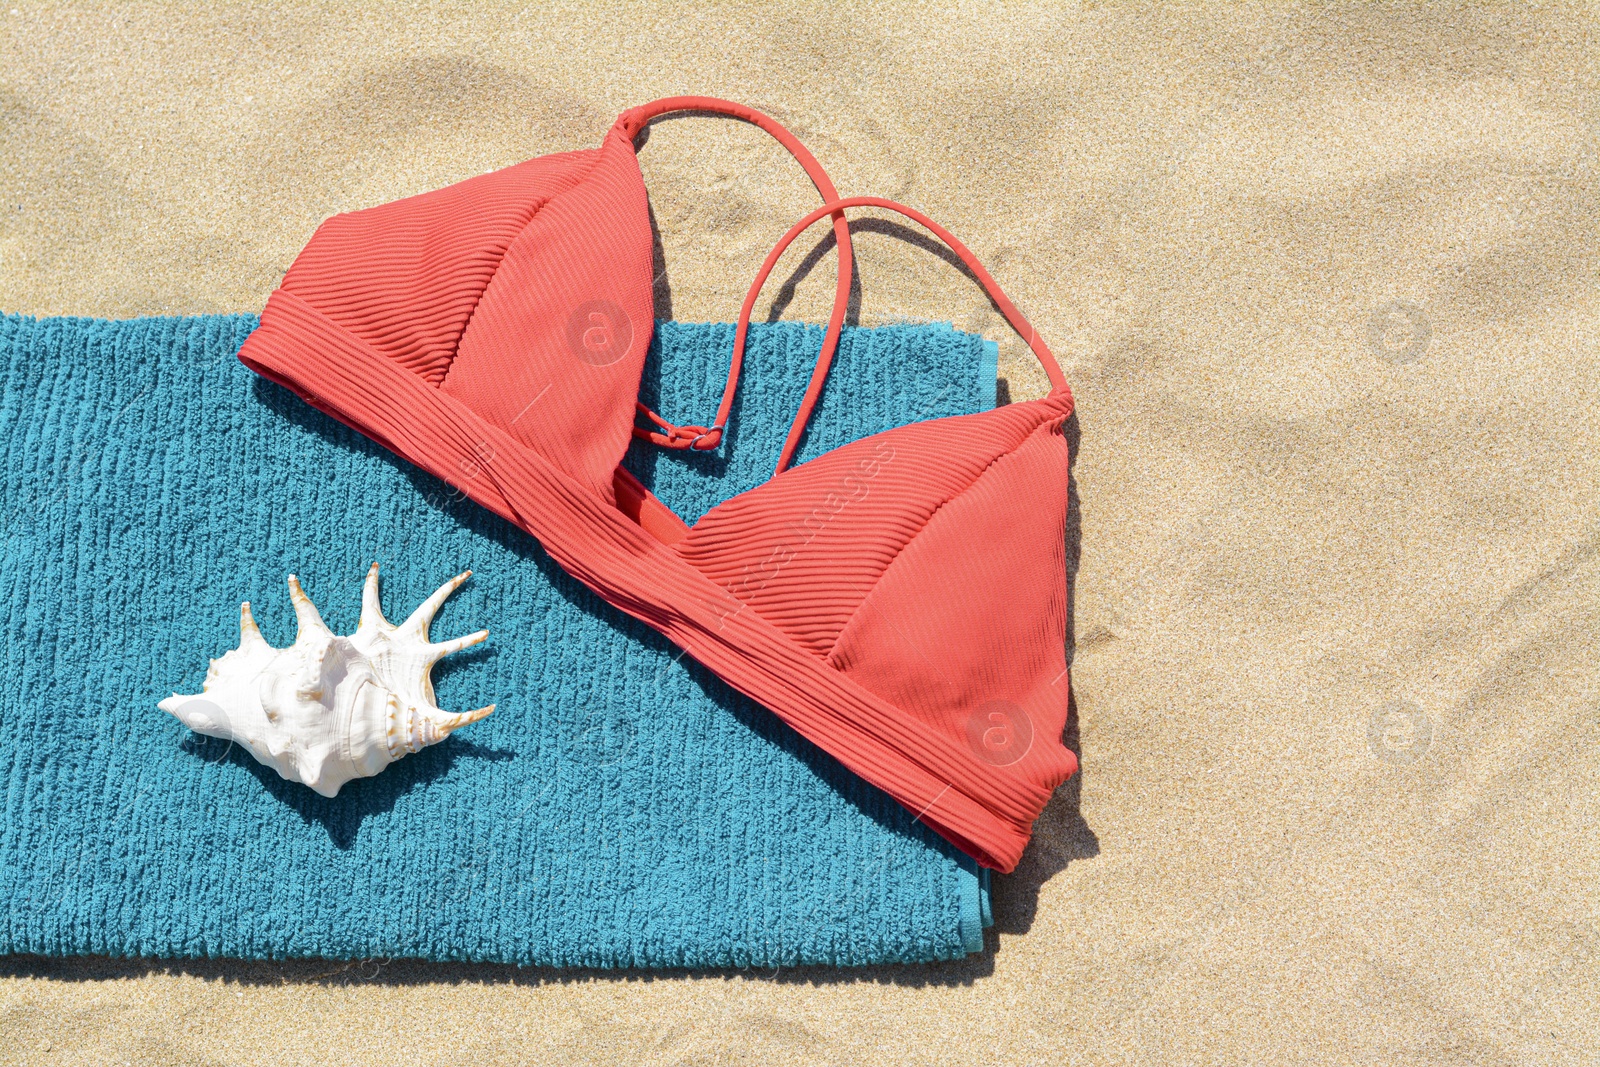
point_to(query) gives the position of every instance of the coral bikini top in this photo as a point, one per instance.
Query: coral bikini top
(900, 601)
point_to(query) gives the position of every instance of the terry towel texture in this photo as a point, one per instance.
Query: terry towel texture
(622, 807)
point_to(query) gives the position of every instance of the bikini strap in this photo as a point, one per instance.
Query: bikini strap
(709, 437)
(1058, 380)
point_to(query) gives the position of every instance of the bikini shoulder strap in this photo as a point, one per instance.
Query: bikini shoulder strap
(1058, 380)
(709, 437)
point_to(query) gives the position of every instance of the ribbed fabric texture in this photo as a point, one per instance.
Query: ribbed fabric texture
(414, 294)
(622, 807)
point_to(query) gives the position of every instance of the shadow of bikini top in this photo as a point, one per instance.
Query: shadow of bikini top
(900, 601)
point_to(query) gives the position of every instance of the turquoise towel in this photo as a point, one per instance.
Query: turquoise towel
(621, 808)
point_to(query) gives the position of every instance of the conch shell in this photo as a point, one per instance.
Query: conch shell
(328, 708)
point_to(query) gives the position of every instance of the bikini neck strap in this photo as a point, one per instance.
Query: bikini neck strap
(631, 122)
(1058, 380)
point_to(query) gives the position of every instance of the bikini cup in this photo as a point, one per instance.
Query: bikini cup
(926, 563)
(900, 601)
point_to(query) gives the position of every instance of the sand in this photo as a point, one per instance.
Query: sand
(1325, 283)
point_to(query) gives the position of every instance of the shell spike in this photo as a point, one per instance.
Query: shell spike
(445, 648)
(423, 616)
(371, 610)
(249, 632)
(305, 612)
(447, 723)
(198, 714)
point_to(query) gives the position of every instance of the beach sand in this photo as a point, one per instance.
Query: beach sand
(1325, 284)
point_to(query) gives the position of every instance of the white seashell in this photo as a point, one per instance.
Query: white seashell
(328, 708)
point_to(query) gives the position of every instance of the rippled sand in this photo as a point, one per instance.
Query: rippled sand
(1326, 286)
